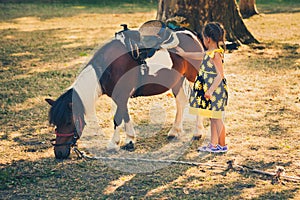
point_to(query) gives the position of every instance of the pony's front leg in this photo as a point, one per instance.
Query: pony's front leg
(130, 133)
(113, 144)
(181, 101)
(120, 115)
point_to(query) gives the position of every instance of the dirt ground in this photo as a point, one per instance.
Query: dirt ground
(40, 58)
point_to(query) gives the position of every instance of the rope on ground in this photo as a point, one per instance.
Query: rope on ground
(277, 176)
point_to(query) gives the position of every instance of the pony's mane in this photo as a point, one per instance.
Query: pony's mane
(67, 105)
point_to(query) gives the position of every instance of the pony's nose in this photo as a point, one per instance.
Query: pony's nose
(61, 154)
(58, 155)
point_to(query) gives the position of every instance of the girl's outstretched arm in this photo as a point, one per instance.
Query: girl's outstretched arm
(192, 55)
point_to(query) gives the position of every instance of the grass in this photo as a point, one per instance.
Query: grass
(43, 47)
(278, 6)
(49, 9)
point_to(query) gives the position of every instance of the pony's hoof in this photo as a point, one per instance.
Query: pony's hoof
(197, 137)
(171, 137)
(112, 147)
(128, 147)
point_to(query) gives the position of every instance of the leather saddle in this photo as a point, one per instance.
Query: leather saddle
(143, 43)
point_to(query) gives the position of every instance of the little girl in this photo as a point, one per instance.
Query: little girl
(209, 95)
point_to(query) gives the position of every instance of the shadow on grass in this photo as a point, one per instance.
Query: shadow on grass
(286, 58)
(266, 166)
(278, 6)
(12, 9)
(50, 178)
(285, 194)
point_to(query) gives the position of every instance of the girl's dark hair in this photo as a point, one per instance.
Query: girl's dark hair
(215, 31)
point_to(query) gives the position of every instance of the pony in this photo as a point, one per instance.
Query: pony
(112, 71)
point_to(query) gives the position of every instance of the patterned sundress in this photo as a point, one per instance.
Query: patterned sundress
(199, 105)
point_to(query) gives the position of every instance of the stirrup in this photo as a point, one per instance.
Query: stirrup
(144, 69)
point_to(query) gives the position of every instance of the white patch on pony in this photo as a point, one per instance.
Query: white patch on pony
(88, 88)
(130, 132)
(187, 87)
(160, 60)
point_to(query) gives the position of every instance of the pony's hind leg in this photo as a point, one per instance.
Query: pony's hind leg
(177, 128)
(181, 101)
(199, 128)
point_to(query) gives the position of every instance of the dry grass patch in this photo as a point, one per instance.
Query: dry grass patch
(40, 57)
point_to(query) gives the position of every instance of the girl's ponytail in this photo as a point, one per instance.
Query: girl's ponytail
(216, 32)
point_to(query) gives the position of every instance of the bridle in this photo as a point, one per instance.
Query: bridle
(71, 143)
(75, 136)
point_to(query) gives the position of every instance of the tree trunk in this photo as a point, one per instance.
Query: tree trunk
(195, 13)
(248, 8)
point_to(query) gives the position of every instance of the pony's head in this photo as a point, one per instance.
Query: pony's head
(67, 115)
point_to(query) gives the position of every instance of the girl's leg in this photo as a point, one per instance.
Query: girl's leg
(220, 128)
(214, 132)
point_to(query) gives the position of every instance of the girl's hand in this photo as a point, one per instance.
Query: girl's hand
(208, 94)
(191, 55)
(179, 50)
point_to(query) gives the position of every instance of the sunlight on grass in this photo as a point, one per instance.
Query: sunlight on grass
(79, 7)
(114, 185)
(28, 104)
(165, 187)
(21, 54)
(279, 27)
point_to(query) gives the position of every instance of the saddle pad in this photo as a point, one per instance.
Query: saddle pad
(160, 60)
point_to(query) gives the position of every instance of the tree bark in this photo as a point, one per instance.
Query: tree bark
(195, 13)
(248, 8)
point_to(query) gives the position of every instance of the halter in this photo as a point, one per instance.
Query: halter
(78, 125)
(71, 143)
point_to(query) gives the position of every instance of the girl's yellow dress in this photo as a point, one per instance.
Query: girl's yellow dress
(199, 105)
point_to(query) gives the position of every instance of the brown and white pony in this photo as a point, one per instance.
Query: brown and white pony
(112, 71)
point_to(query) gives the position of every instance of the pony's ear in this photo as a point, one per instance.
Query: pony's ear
(70, 105)
(50, 101)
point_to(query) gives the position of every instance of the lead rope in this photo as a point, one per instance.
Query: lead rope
(277, 177)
